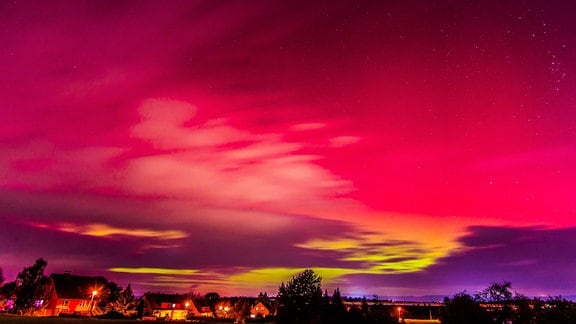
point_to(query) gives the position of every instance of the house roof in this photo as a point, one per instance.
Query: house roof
(76, 287)
(263, 304)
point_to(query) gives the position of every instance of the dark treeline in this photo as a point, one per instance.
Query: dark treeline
(303, 301)
(497, 304)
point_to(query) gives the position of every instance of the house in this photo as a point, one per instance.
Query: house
(171, 306)
(260, 310)
(72, 294)
(224, 309)
(205, 311)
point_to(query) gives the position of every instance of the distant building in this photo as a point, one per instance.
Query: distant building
(260, 311)
(171, 306)
(72, 294)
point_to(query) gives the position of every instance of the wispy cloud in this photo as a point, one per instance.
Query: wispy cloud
(107, 230)
(164, 271)
(259, 170)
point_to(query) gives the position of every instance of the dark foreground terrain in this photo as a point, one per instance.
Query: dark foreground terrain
(11, 319)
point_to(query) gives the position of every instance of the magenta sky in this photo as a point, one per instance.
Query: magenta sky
(397, 147)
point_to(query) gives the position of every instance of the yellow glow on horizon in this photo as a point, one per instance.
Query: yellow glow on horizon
(105, 230)
(380, 253)
(155, 271)
(274, 276)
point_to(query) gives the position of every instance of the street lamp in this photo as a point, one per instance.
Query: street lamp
(94, 293)
(399, 314)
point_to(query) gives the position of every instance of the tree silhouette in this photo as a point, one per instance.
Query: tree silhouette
(300, 300)
(8, 290)
(211, 299)
(30, 285)
(463, 308)
(500, 295)
(337, 311)
(109, 295)
(364, 307)
(127, 296)
(123, 303)
(497, 293)
(241, 308)
(558, 310)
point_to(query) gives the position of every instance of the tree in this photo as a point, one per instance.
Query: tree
(300, 300)
(337, 311)
(263, 298)
(241, 309)
(127, 296)
(365, 307)
(500, 295)
(497, 293)
(143, 307)
(463, 308)
(524, 306)
(108, 296)
(124, 304)
(30, 285)
(8, 290)
(211, 299)
(556, 310)
(380, 313)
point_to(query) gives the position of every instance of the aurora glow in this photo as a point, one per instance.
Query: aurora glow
(397, 147)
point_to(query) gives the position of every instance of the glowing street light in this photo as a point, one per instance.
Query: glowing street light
(94, 293)
(399, 314)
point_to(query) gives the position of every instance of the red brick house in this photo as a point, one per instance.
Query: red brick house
(71, 294)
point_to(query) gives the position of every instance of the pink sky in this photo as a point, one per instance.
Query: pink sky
(397, 148)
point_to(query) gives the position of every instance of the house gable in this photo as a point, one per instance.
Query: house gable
(72, 294)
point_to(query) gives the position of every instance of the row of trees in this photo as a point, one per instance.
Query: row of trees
(301, 301)
(498, 304)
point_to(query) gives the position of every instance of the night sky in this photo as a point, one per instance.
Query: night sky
(396, 147)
